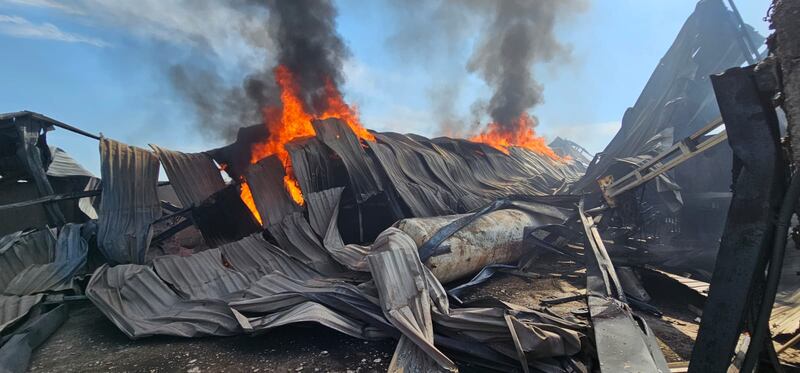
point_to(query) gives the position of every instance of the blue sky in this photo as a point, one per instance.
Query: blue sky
(93, 64)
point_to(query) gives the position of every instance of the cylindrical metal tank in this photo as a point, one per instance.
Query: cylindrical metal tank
(492, 238)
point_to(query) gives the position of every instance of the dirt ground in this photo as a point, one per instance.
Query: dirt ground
(88, 342)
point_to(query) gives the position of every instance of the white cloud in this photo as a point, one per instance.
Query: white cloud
(20, 27)
(235, 34)
(52, 4)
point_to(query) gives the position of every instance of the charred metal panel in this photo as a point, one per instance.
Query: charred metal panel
(758, 186)
(193, 176)
(224, 218)
(254, 257)
(363, 179)
(129, 202)
(135, 299)
(236, 156)
(278, 299)
(312, 165)
(421, 200)
(13, 308)
(266, 180)
(678, 94)
(69, 259)
(21, 250)
(200, 276)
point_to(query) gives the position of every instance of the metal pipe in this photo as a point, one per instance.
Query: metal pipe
(493, 238)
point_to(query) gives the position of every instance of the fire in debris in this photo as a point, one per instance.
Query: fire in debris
(519, 133)
(247, 198)
(290, 121)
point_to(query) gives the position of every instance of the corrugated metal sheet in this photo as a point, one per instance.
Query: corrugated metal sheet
(135, 299)
(360, 170)
(224, 218)
(70, 257)
(30, 152)
(276, 298)
(13, 308)
(16, 353)
(399, 277)
(201, 275)
(19, 251)
(420, 199)
(298, 239)
(303, 312)
(129, 202)
(323, 211)
(63, 165)
(194, 176)
(255, 257)
(311, 163)
(269, 194)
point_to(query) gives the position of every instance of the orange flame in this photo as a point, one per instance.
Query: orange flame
(521, 135)
(291, 121)
(247, 198)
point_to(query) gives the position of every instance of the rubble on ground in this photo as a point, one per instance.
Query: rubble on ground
(463, 255)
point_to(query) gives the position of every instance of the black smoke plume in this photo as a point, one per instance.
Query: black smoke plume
(514, 35)
(302, 37)
(520, 34)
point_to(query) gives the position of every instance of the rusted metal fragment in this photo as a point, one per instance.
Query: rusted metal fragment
(194, 176)
(129, 202)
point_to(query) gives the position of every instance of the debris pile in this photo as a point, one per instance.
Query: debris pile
(382, 235)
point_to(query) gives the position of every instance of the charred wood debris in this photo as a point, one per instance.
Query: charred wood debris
(691, 205)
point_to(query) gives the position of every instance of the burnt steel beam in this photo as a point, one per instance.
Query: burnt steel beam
(624, 341)
(52, 198)
(674, 156)
(758, 186)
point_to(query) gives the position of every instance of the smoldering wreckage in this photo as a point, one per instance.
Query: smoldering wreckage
(683, 220)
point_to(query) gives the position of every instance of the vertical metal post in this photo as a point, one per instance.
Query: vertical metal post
(758, 186)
